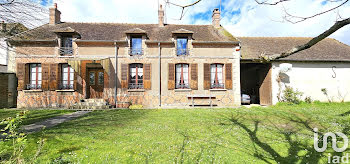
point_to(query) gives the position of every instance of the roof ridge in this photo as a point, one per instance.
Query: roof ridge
(133, 23)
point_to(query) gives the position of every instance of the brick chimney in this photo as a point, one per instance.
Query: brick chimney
(3, 27)
(55, 15)
(216, 18)
(161, 16)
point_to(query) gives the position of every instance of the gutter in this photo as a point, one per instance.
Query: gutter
(160, 77)
(216, 42)
(158, 42)
(116, 74)
(102, 41)
(296, 60)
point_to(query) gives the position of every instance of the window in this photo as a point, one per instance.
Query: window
(67, 77)
(100, 78)
(66, 46)
(136, 76)
(181, 76)
(216, 76)
(92, 78)
(136, 46)
(35, 76)
(181, 46)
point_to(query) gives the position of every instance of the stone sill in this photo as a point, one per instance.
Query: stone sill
(183, 90)
(136, 90)
(217, 89)
(34, 90)
(66, 90)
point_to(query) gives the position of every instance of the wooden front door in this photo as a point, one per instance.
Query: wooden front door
(95, 83)
(265, 90)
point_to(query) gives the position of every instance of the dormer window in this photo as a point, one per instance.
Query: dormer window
(66, 45)
(181, 48)
(136, 45)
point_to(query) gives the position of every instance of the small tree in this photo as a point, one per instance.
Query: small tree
(291, 96)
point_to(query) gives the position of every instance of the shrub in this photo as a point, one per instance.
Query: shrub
(291, 96)
(135, 107)
(308, 99)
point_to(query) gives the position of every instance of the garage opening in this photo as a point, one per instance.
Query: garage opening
(256, 82)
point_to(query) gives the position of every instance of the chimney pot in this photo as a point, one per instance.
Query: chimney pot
(216, 18)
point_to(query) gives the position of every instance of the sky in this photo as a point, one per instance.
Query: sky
(239, 17)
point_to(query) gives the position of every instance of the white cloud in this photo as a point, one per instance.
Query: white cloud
(254, 20)
(265, 20)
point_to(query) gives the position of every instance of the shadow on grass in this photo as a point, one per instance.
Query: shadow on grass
(294, 131)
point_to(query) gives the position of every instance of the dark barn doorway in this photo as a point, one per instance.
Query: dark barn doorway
(256, 82)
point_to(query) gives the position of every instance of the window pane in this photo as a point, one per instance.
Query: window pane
(182, 43)
(185, 73)
(136, 43)
(178, 74)
(67, 42)
(39, 67)
(212, 73)
(65, 76)
(33, 76)
(220, 75)
(71, 77)
(39, 76)
(33, 68)
(100, 78)
(92, 78)
(133, 72)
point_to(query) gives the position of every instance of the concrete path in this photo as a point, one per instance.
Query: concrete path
(51, 122)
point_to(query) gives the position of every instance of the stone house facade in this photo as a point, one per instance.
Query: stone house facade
(156, 65)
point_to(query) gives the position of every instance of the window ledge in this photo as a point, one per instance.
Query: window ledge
(33, 90)
(136, 90)
(217, 89)
(183, 90)
(65, 90)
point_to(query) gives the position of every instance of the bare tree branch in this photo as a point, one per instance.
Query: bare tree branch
(313, 41)
(289, 16)
(183, 6)
(270, 3)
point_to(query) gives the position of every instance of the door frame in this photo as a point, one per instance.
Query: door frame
(90, 66)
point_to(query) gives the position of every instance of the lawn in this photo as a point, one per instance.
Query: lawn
(277, 134)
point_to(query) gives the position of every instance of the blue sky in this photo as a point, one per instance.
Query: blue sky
(240, 17)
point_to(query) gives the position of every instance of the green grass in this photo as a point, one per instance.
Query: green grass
(281, 133)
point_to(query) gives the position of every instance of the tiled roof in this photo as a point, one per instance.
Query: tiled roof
(116, 31)
(326, 50)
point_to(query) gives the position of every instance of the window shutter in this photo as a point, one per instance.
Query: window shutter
(147, 76)
(171, 76)
(194, 76)
(53, 83)
(124, 81)
(21, 75)
(45, 68)
(228, 76)
(206, 76)
(75, 82)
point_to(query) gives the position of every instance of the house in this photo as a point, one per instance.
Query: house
(323, 67)
(62, 64)
(6, 57)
